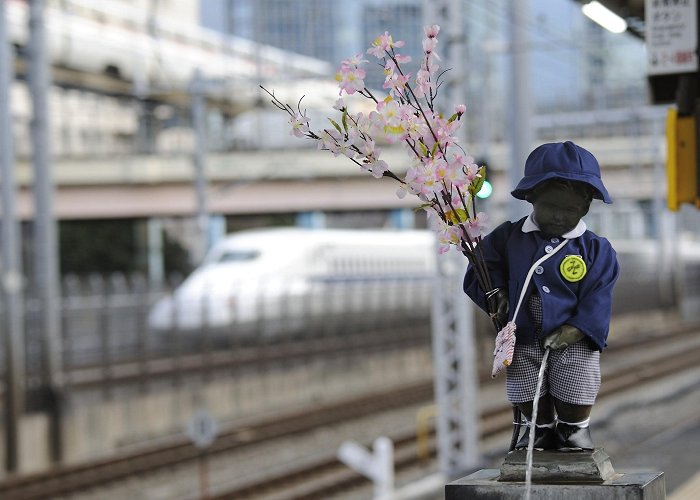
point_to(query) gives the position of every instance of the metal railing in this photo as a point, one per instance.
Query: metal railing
(109, 331)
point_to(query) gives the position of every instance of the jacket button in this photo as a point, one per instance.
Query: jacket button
(548, 248)
(554, 240)
(545, 289)
(539, 270)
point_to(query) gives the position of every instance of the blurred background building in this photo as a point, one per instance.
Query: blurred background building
(123, 137)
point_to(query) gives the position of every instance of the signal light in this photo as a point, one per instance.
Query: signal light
(681, 160)
(485, 191)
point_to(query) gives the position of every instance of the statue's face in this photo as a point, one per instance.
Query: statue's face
(557, 210)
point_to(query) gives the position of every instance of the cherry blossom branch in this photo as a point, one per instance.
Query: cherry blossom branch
(441, 174)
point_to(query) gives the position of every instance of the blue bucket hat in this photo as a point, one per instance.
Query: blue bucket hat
(561, 160)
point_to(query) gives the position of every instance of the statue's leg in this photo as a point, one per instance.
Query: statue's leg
(545, 437)
(570, 412)
(572, 428)
(574, 381)
(521, 384)
(545, 409)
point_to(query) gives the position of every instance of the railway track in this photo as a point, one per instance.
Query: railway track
(136, 370)
(66, 480)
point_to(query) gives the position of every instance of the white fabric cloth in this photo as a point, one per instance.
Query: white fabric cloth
(530, 225)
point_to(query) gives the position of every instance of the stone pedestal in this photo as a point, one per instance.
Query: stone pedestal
(484, 485)
(558, 475)
(559, 467)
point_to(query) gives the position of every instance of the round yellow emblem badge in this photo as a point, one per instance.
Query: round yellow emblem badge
(573, 268)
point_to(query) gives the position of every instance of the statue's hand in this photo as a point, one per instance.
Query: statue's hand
(498, 307)
(562, 337)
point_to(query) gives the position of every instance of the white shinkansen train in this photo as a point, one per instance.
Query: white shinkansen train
(106, 37)
(284, 280)
(281, 280)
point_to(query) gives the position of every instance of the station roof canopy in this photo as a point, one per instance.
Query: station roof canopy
(631, 11)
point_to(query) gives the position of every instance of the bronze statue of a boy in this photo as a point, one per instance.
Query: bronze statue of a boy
(568, 302)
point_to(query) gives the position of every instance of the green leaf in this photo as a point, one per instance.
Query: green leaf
(423, 206)
(453, 118)
(335, 124)
(457, 215)
(478, 182)
(423, 148)
(345, 120)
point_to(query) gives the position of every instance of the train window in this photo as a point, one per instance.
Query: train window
(239, 255)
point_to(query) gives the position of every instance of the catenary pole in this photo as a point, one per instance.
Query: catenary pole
(45, 271)
(11, 271)
(198, 110)
(520, 99)
(456, 388)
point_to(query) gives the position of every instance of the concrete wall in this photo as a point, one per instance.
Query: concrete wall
(96, 427)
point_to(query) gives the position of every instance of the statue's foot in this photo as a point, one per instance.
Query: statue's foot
(545, 439)
(572, 437)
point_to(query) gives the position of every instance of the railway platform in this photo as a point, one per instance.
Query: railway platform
(645, 431)
(690, 490)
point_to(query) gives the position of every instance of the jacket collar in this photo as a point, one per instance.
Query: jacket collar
(530, 225)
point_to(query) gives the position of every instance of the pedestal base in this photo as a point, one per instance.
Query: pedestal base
(484, 485)
(559, 467)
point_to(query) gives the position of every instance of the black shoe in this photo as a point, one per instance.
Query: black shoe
(572, 437)
(545, 439)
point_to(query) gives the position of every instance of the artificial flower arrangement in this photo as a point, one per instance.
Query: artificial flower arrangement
(441, 174)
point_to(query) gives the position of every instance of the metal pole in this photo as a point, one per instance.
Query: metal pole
(521, 135)
(11, 271)
(46, 278)
(454, 356)
(203, 475)
(457, 56)
(456, 388)
(199, 125)
(156, 263)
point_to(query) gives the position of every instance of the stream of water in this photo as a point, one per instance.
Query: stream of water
(533, 423)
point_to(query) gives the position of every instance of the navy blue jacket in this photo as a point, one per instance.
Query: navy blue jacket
(586, 304)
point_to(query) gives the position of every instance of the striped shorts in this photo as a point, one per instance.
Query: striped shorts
(572, 374)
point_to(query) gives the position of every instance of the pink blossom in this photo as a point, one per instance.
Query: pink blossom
(475, 226)
(471, 171)
(396, 82)
(355, 60)
(329, 140)
(441, 169)
(456, 200)
(431, 31)
(429, 45)
(345, 147)
(383, 44)
(391, 114)
(369, 148)
(447, 235)
(340, 105)
(378, 167)
(300, 125)
(421, 181)
(423, 83)
(460, 109)
(458, 177)
(350, 79)
(401, 191)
